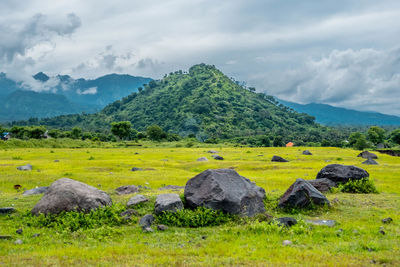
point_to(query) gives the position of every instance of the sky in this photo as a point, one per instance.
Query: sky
(344, 52)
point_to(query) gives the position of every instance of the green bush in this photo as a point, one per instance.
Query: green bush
(199, 217)
(73, 221)
(362, 186)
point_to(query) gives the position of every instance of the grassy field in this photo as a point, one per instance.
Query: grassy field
(354, 241)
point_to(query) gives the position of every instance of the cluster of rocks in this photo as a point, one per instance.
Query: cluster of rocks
(370, 158)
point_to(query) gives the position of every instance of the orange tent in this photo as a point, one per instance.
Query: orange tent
(290, 144)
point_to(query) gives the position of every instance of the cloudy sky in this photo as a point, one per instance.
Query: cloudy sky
(344, 53)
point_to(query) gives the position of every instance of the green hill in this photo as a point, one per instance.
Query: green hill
(203, 102)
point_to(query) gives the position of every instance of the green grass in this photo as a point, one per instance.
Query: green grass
(246, 242)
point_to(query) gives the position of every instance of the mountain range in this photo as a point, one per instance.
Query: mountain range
(330, 115)
(64, 95)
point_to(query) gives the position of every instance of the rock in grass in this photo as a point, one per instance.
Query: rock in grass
(287, 242)
(67, 195)
(171, 187)
(127, 189)
(217, 157)
(342, 173)
(7, 210)
(202, 159)
(146, 221)
(387, 220)
(367, 155)
(329, 223)
(162, 227)
(36, 191)
(278, 159)
(5, 237)
(127, 215)
(306, 152)
(370, 162)
(212, 151)
(168, 203)
(134, 169)
(226, 190)
(18, 242)
(322, 185)
(27, 167)
(286, 221)
(301, 194)
(133, 201)
(19, 231)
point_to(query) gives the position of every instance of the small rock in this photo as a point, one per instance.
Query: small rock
(148, 230)
(162, 227)
(329, 223)
(387, 220)
(287, 242)
(35, 235)
(367, 155)
(36, 191)
(217, 157)
(128, 213)
(306, 152)
(168, 202)
(146, 221)
(370, 162)
(278, 159)
(18, 242)
(136, 153)
(136, 200)
(134, 169)
(202, 159)
(27, 167)
(335, 200)
(7, 210)
(56, 160)
(212, 151)
(286, 221)
(204, 237)
(127, 189)
(5, 237)
(382, 232)
(171, 187)
(19, 231)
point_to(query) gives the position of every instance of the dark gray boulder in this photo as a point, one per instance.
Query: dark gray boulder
(217, 157)
(278, 159)
(67, 195)
(370, 161)
(7, 210)
(168, 203)
(286, 221)
(367, 155)
(202, 159)
(322, 185)
(127, 189)
(133, 201)
(301, 194)
(226, 190)
(146, 221)
(134, 169)
(306, 152)
(36, 191)
(27, 167)
(342, 173)
(212, 151)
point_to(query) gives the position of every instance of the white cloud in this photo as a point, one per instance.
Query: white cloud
(89, 91)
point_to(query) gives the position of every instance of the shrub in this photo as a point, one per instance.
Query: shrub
(362, 186)
(199, 217)
(73, 220)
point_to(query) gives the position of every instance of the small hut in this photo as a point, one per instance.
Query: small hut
(290, 144)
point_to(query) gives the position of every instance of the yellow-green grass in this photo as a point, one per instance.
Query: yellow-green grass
(359, 243)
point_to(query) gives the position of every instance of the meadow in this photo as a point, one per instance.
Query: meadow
(354, 241)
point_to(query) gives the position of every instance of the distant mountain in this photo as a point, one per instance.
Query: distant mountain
(329, 115)
(203, 102)
(65, 95)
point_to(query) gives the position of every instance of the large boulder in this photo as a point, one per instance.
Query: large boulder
(367, 155)
(301, 194)
(226, 190)
(278, 159)
(168, 203)
(342, 173)
(68, 195)
(322, 185)
(138, 199)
